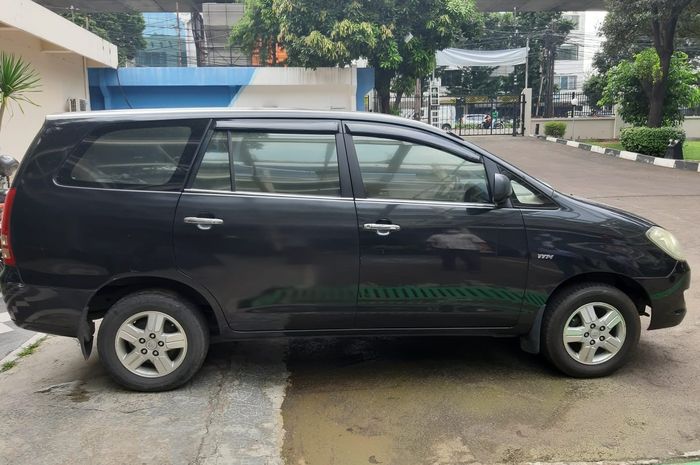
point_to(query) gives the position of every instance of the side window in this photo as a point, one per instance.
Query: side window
(394, 169)
(526, 196)
(143, 156)
(285, 163)
(215, 169)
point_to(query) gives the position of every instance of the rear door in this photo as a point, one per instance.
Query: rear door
(268, 225)
(435, 252)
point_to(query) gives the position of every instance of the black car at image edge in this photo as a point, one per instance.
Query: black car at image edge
(179, 228)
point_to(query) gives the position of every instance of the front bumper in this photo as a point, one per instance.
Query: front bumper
(667, 303)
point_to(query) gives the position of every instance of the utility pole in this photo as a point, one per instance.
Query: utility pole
(179, 37)
(527, 59)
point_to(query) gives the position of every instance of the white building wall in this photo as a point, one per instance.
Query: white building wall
(300, 88)
(63, 76)
(589, 42)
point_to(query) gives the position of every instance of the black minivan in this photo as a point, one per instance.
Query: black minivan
(181, 227)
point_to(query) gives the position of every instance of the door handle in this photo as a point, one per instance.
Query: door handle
(203, 223)
(382, 229)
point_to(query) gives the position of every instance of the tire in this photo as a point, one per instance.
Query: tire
(446, 127)
(498, 126)
(571, 310)
(182, 327)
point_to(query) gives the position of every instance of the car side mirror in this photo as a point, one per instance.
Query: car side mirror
(502, 188)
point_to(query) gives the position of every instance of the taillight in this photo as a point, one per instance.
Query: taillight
(7, 255)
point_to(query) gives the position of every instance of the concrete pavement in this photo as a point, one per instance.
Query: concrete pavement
(388, 400)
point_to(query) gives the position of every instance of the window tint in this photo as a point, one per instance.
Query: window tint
(136, 157)
(215, 170)
(285, 163)
(402, 170)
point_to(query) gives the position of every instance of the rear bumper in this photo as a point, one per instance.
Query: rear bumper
(667, 303)
(45, 309)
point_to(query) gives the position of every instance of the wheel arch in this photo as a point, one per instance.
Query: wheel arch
(530, 342)
(111, 292)
(629, 286)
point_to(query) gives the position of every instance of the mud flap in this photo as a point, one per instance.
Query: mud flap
(530, 342)
(86, 338)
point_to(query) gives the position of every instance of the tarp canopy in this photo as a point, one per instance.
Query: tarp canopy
(459, 58)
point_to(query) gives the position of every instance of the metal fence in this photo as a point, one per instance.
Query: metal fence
(465, 116)
(567, 105)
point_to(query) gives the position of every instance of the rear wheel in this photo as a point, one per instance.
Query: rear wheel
(446, 127)
(153, 341)
(590, 330)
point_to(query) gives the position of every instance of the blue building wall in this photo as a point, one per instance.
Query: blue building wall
(165, 87)
(182, 87)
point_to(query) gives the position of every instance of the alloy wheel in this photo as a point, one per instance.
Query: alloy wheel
(151, 344)
(594, 333)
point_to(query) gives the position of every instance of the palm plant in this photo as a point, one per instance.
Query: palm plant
(17, 80)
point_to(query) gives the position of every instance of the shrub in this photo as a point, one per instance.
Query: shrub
(554, 129)
(650, 141)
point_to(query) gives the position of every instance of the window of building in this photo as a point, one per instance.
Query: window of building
(394, 169)
(566, 82)
(567, 52)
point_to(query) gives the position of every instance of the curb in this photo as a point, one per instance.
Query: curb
(14, 355)
(632, 156)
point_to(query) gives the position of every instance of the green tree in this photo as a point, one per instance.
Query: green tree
(631, 84)
(258, 30)
(593, 89)
(628, 31)
(397, 37)
(632, 23)
(125, 30)
(17, 81)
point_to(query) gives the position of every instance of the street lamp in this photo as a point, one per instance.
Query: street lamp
(574, 104)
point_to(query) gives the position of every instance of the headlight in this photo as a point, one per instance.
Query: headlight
(666, 242)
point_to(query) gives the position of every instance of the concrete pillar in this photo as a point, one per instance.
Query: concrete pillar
(529, 129)
(619, 123)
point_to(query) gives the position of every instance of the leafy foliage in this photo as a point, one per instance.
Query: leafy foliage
(628, 30)
(593, 89)
(398, 38)
(650, 141)
(125, 30)
(555, 129)
(17, 80)
(630, 85)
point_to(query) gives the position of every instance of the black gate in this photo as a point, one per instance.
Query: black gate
(468, 116)
(474, 116)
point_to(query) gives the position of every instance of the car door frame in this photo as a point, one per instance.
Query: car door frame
(427, 138)
(276, 124)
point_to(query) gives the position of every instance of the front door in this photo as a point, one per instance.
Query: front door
(435, 252)
(267, 228)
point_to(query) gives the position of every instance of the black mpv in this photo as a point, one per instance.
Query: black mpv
(181, 227)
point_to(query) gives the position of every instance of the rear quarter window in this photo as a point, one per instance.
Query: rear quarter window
(143, 156)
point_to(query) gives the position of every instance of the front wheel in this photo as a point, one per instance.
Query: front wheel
(153, 341)
(590, 330)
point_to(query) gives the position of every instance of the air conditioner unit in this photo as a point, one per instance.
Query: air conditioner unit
(77, 104)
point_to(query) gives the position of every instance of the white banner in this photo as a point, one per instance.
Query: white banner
(459, 58)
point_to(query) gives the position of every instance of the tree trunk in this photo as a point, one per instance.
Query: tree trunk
(383, 86)
(664, 32)
(397, 100)
(658, 94)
